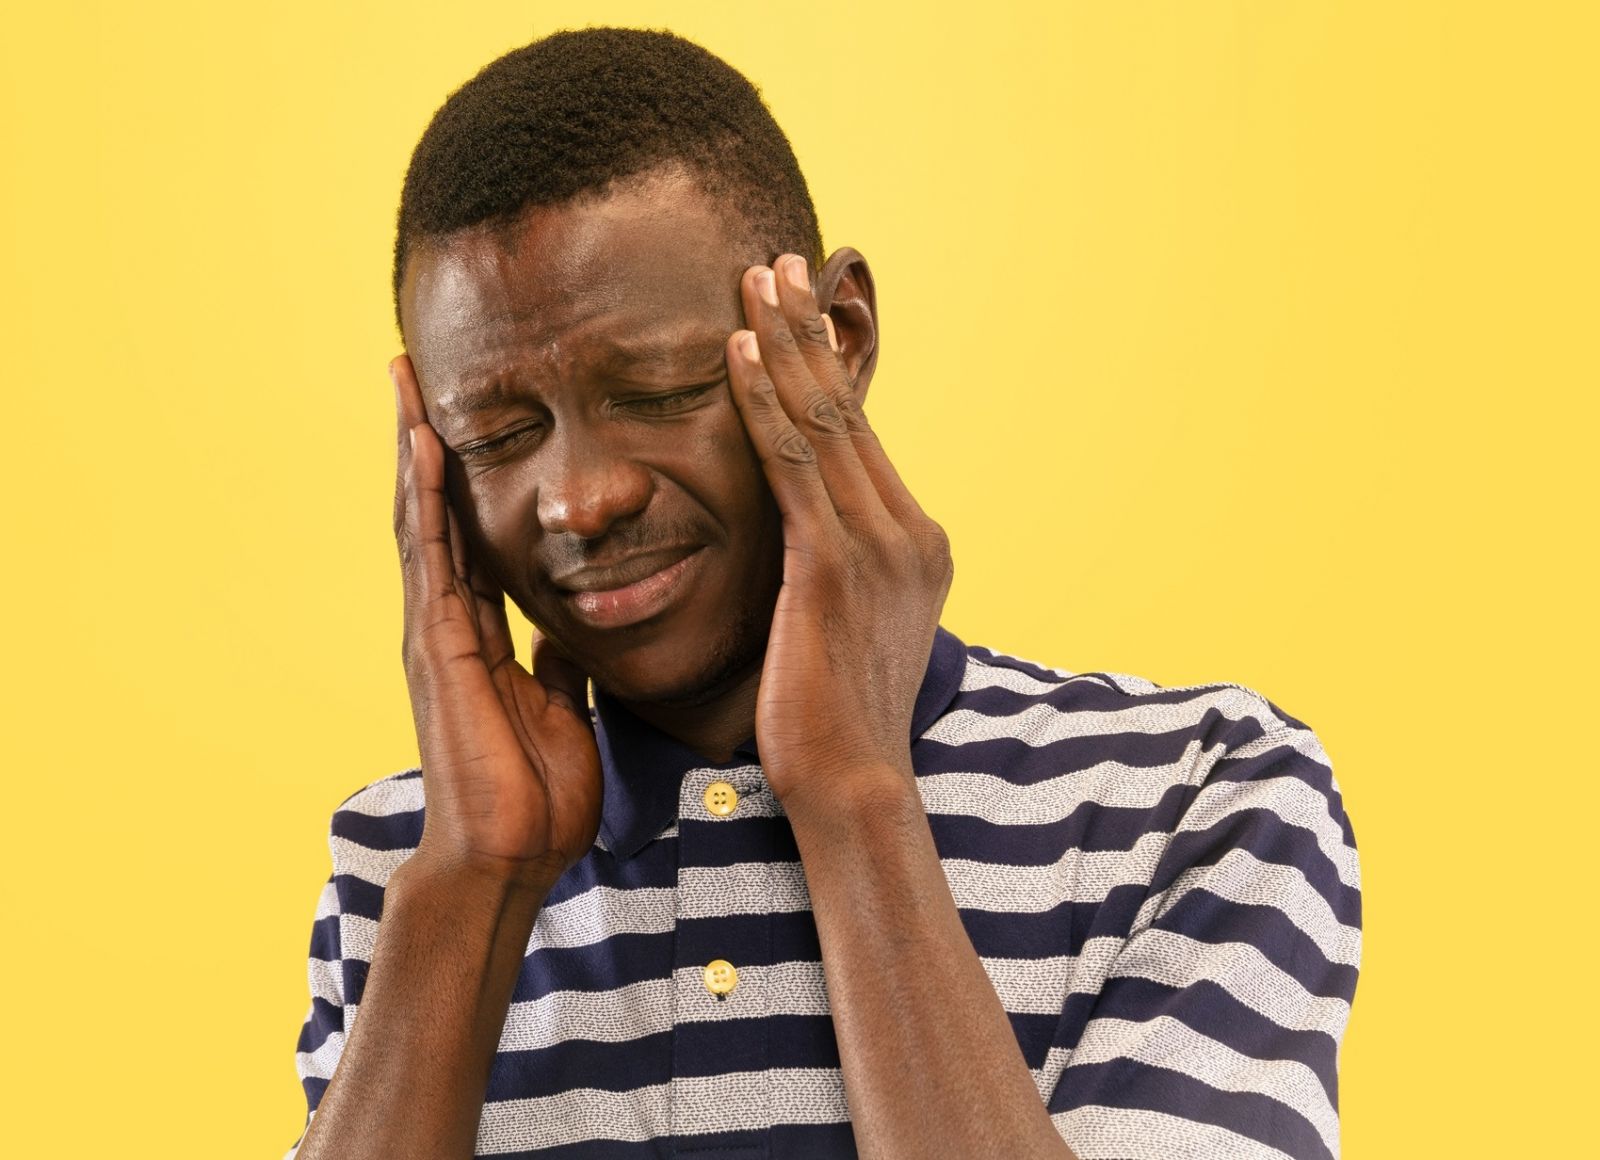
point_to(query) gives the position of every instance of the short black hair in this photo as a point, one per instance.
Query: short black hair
(581, 109)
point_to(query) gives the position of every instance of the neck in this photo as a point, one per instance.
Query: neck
(713, 727)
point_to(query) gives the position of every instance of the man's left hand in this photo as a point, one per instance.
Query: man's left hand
(865, 571)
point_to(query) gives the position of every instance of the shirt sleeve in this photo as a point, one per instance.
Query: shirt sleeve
(322, 1033)
(1217, 1030)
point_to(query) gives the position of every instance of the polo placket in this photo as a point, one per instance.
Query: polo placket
(730, 831)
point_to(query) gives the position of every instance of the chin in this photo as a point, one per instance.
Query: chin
(668, 672)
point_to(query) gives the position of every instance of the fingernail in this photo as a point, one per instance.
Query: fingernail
(833, 335)
(795, 271)
(767, 286)
(748, 347)
(412, 431)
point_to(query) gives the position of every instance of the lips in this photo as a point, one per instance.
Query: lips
(632, 591)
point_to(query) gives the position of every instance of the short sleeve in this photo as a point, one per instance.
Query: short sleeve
(1217, 1031)
(322, 1033)
(371, 833)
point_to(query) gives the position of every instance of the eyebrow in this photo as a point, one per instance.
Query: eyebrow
(485, 391)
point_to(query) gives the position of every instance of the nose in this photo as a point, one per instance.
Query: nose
(588, 485)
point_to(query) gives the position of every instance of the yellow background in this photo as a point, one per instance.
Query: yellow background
(1229, 341)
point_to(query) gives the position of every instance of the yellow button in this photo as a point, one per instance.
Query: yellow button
(721, 798)
(721, 977)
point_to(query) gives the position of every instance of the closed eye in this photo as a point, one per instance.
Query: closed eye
(493, 445)
(665, 404)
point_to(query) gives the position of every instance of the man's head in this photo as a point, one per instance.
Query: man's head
(572, 233)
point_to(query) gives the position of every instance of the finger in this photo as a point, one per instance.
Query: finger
(424, 534)
(566, 683)
(799, 303)
(810, 382)
(787, 457)
(480, 595)
(483, 601)
(403, 451)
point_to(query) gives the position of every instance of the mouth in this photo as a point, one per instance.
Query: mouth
(635, 602)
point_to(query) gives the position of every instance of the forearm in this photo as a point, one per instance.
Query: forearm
(931, 1064)
(411, 1079)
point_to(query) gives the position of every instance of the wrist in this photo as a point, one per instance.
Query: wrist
(460, 871)
(848, 796)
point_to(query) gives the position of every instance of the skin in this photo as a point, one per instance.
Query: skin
(819, 590)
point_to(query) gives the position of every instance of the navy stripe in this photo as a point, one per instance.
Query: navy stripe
(322, 1021)
(1264, 834)
(1021, 763)
(1090, 827)
(388, 832)
(1208, 918)
(1210, 1010)
(619, 961)
(581, 1063)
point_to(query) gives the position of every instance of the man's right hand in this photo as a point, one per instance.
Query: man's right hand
(511, 772)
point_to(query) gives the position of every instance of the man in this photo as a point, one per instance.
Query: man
(813, 878)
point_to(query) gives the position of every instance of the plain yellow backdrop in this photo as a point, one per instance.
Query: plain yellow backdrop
(1229, 341)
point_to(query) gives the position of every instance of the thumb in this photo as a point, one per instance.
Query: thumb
(564, 681)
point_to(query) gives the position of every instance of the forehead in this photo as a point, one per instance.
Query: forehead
(649, 273)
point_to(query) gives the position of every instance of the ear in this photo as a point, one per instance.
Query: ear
(846, 295)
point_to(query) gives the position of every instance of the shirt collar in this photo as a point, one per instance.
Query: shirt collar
(643, 767)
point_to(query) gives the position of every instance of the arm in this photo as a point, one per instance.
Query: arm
(931, 1064)
(411, 1078)
(513, 788)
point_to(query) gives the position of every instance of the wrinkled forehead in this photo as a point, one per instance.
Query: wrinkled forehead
(655, 255)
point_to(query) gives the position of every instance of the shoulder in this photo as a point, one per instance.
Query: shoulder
(377, 827)
(1041, 703)
(1163, 757)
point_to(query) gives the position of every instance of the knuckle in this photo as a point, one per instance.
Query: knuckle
(934, 543)
(763, 393)
(823, 414)
(795, 448)
(813, 330)
(783, 339)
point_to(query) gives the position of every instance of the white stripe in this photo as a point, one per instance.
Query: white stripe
(1165, 1042)
(1295, 803)
(574, 1115)
(327, 901)
(1005, 803)
(387, 796)
(981, 674)
(1096, 1132)
(615, 1016)
(1302, 741)
(1077, 875)
(1239, 876)
(365, 863)
(357, 937)
(1041, 723)
(603, 911)
(755, 1099)
(326, 980)
(1240, 969)
(717, 1103)
(742, 888)
(319, 1064)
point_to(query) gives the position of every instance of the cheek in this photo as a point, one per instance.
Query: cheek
(490, 521)
(731, 471)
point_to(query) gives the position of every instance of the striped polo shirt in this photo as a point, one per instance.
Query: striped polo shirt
(1160, 882)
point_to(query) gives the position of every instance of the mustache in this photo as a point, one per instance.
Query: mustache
(564, 554)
